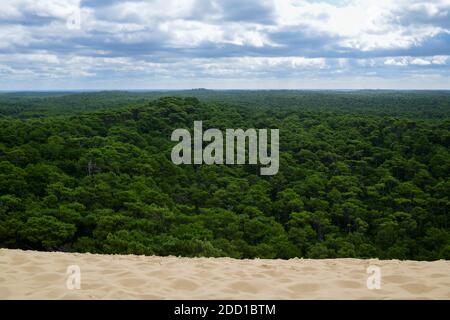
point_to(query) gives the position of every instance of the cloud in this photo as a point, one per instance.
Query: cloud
(196, 41)
(420, 61)
(257, 11)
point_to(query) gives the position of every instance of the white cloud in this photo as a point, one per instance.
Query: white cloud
(14, 35)
(363, 24)
(9, 10)
(209, 39)
(420, 61)
(51, 8)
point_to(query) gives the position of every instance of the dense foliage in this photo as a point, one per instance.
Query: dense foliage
(366, 176)
(409, 104)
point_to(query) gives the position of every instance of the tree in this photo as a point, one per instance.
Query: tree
(46, 232)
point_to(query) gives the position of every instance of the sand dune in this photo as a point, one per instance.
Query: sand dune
(42, 275)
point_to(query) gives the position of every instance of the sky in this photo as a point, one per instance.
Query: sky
(228, 44)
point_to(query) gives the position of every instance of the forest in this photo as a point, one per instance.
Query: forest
(362, 174)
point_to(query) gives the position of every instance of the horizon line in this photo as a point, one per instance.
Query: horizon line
(215, 89)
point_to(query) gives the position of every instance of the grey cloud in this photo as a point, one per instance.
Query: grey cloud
(100, 3)
(250, 11)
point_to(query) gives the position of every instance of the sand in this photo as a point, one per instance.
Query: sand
(42, 275)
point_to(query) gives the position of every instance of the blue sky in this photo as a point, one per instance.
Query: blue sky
(178, 44)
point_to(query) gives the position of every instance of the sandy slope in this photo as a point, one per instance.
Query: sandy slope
(42, 275)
